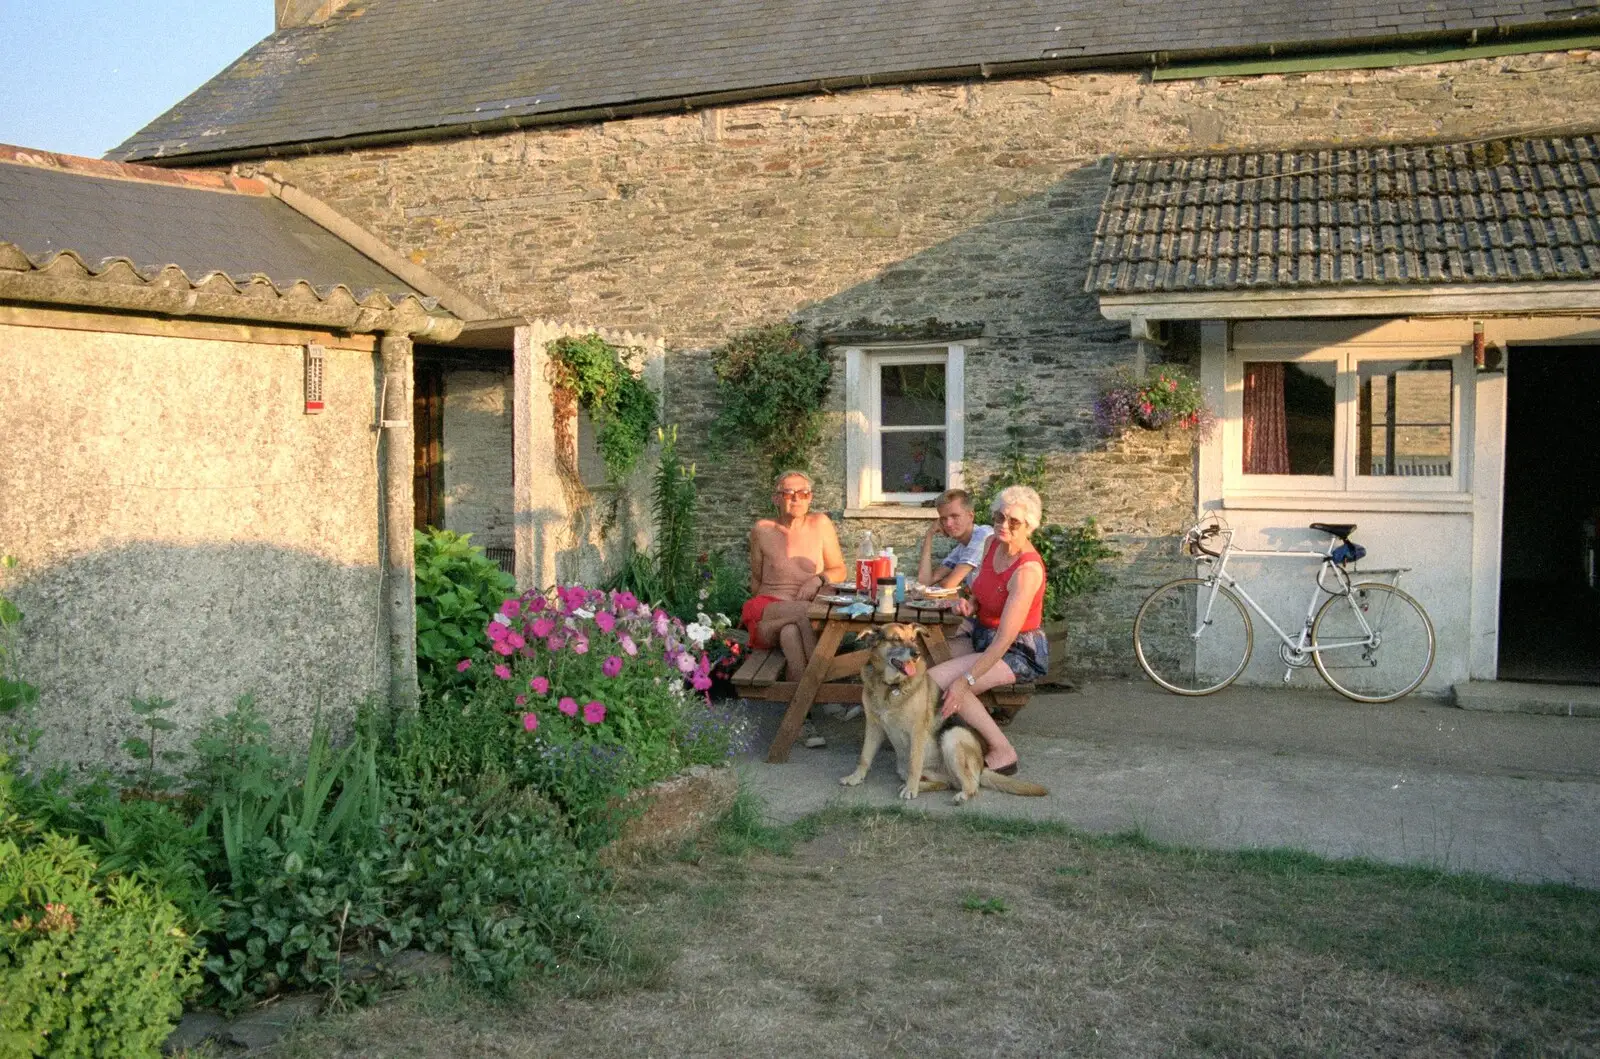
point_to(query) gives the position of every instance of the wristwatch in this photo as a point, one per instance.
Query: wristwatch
(972, 681)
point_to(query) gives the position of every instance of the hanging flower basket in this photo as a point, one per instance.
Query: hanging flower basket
(1168, 397)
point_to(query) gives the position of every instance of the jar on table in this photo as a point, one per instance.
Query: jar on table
(886, 601)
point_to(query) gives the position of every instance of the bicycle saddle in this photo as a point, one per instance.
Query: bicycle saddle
(1342, 530)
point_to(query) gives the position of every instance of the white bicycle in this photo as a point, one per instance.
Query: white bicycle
(1370, 641)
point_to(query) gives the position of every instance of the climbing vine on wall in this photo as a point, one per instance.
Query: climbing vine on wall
(594, 374)
(771, 384)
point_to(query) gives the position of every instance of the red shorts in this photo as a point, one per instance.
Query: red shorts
(750, 618)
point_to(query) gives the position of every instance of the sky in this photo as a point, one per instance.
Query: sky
(81, 76)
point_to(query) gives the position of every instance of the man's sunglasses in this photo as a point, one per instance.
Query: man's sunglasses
(794, 494)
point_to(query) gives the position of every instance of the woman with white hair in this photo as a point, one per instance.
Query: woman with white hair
(1003, 641)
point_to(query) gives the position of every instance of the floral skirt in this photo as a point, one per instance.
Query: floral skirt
(1028, 657)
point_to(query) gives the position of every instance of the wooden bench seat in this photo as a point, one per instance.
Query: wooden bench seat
(760, 676)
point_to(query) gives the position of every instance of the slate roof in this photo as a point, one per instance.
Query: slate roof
(387, 66)
(1500, 212)
(156, 220)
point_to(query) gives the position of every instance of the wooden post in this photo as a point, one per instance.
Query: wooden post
(395, 453)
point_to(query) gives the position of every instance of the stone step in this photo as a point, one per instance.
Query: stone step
(1505, 696)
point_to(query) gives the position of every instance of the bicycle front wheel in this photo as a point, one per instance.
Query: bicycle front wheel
(1373, 644)
(1192, 637)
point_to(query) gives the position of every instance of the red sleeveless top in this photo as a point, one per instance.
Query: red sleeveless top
(990, 591)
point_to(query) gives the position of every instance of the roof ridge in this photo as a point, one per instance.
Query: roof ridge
(200, 179)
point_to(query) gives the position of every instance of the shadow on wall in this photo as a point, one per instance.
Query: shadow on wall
(1019, 274)
(202, 625)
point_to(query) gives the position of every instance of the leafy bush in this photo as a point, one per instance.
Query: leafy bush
(593, 685)
(458, 588)
(1072, 557)
(771, 385)
(622, 407)
(86, 968)
(288, 865)
(16, 695)
(673, 576)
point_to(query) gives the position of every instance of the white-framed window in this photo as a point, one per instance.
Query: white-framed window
(1363, 419)
(905, 407)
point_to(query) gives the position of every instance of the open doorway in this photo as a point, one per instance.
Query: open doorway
(1549, 584)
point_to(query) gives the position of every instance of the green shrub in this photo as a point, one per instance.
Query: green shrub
(622, 407)
(458, 591)
(86, 968)
(771, 385)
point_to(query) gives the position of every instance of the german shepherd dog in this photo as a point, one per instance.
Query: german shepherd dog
(902, 702)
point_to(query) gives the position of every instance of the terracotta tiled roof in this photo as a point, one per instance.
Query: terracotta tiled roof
(405, 66)
(1504, 211)
(167, 226)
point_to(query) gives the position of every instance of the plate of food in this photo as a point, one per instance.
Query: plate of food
(931, 604)
(831, 597)
(935, 592)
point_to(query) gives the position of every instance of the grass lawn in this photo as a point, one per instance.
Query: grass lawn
(888, 933)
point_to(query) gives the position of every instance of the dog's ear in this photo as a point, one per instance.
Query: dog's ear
(871, 638)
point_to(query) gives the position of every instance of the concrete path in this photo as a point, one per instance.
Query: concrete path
(1414, 782)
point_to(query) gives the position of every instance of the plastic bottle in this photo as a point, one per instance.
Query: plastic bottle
(892, 560)
(866, 582)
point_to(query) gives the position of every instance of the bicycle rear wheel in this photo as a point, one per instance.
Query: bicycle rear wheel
(1393, 661)
(1189, 641)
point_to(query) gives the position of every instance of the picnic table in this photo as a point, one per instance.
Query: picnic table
(826, 675)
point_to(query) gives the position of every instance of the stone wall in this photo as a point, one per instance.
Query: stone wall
(961, 202)
(185, 530)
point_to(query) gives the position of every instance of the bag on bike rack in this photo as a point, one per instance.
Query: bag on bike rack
(1348, 552)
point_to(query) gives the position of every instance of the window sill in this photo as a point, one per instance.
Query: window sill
(1347, 501)
(906, 511)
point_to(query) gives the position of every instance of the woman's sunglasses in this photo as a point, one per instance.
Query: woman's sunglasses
(1010, 523)
(794, 494)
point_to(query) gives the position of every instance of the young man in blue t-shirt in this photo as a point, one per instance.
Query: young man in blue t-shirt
(956, 521)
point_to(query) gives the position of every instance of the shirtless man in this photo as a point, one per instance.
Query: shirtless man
(791, 558)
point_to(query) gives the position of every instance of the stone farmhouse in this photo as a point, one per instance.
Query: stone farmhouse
(1336, 202)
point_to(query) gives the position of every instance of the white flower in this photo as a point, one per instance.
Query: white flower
(703, 618)
(583, 612)
(644, 610)
(502, 619)
(705, 594)
(699, 633)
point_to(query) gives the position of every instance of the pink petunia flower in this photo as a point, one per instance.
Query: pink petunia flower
(593, 712)
(556, 643)
(503, 647)
(606, 620)
(511, 608)
(685, 663)
(611, 666)
(539, 685)
(503, 672)
(543, 627)
(536, 604)
(629, 648)
(580, 646)
(568, 705)
(530, 721)
(495, 631)
(626, 600)
(701, 682)
(527, 652)
(463, 665)
(515, 640)
(522, 700)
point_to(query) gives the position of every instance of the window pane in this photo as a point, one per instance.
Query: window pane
(913, 462)
(913, 395)
(1405, 418)
(1288, 417)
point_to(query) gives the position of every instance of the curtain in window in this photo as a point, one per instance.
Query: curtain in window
(1266, 438)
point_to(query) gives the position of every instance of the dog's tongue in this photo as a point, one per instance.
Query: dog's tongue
(908, 666)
